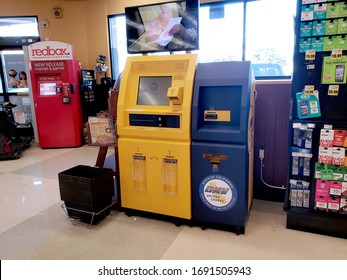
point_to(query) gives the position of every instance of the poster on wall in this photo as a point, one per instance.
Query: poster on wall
(14, 72)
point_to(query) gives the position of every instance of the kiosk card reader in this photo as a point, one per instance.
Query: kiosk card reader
(222, 144)
(154, 126)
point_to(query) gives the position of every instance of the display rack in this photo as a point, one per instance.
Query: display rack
(310, 218)
(320, 50)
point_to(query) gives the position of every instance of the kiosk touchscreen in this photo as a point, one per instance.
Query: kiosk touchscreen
(153, 125)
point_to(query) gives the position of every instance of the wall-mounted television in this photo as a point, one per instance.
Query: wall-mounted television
(169, 26)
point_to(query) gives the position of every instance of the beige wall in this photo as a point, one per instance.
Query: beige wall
(71, 28)
(117, 7)
(83, 25)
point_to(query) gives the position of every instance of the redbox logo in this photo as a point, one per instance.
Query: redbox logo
(48, 51)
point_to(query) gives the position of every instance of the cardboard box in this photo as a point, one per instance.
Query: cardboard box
(101, 131)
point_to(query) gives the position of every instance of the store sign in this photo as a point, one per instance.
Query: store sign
(44, 66)
(50, 50)
(218, 193)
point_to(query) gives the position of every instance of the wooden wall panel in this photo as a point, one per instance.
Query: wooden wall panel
(271, 134)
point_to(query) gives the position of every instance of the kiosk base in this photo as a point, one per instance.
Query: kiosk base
(175, 220)
(155, 176)
(220, 184)
(205, 225)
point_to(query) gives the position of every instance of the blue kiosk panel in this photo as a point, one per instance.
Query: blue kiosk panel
(219, 193)
(222, 144)
(221, 102)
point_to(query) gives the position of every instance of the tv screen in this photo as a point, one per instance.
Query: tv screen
(170, 26)
(153, 90)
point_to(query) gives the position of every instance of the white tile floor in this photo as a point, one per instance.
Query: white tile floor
(34, 226)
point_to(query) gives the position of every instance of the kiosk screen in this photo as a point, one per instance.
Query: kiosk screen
(47, 89)
(153, 90)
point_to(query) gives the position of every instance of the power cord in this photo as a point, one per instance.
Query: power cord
(261, 157)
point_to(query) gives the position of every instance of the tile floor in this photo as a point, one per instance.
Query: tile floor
(34, 226)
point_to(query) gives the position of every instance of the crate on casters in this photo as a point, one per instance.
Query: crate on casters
(87, 192)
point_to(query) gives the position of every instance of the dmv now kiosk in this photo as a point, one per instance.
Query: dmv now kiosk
(55, 79)
(154, 126)
(222, 144)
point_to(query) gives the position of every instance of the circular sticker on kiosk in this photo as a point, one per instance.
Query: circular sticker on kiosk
(218, 193)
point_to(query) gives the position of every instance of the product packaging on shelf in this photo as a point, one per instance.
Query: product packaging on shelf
(339, 138)
(308, 105)
(322, 194)
(299, 193)
(325, 155)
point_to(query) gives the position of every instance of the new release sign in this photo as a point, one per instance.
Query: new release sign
(217, 192)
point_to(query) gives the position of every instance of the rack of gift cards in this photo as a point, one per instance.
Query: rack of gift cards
(331, 171)
(316, 186)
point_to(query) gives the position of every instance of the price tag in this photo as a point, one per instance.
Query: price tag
(333, 90)
(309, 90)
(336, 54)
(310, 55)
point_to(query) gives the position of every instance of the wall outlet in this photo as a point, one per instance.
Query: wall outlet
(261, 153)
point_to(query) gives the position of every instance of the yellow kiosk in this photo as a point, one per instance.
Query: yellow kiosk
(154, 130)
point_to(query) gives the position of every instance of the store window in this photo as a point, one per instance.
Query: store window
(18, 26)
(221, 32)
(15, 32)
(118, 45)
(15, 77)
(261, 31)
(18, 31)
(1, 91)
(270, 37)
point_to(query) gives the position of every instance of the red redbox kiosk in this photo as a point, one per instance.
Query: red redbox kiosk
(55, 78)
